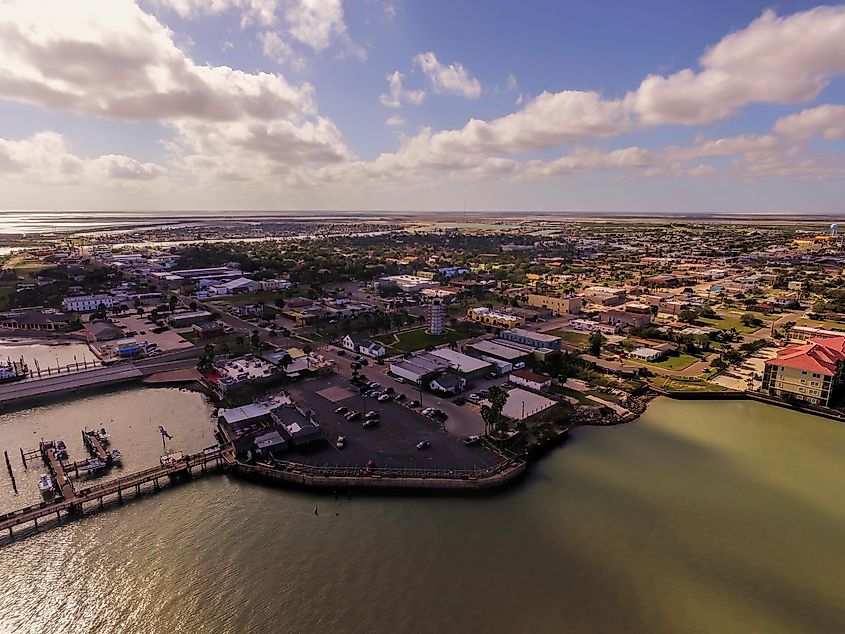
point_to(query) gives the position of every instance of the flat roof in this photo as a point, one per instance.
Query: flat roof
(537, 336)
(245, 412)
(520, 401)
(463, 362)
(498, 350)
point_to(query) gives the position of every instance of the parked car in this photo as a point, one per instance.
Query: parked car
(384, 397)
(428, 411)
(353, 415)
(414, 404)
(371, 414)
(492, 375)
(400, 397)
(364, 362)
(370, 422)
(389, 390)
(474, 397)
(459, 401)
(374, 386)
(341, 353)
(341, 410)
(399, 379)
(472, 440)
(340, 442)
(423, 444)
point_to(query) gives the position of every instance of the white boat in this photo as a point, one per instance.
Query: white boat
(45, 485)
(116, 456)
(60, 450)
(171, 458)
(93, 465)
(103, 436)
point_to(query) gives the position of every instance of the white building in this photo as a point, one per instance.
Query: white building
(363, 346)
(409, 283)
(647, 354)
(530, 380)
(88, 303)
(275, 285)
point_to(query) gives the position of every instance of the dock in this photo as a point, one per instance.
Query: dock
(72, 503)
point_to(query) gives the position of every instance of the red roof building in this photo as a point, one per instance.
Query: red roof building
(810, 371)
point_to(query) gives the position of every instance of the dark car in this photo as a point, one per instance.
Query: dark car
(400, 397)
(371, 414)
(459, 401)
(341, 410)
(353, 415)
(369, 423)
(389, 390)
(414, 404)
(341, 353)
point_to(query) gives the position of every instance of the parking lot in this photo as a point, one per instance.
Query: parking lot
(391, 443)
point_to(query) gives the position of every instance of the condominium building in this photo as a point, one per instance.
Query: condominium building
(812, 371)
(436, 317)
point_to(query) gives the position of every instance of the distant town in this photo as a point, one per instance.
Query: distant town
(403, 354)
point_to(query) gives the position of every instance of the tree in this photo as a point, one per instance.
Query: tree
(491, 412)
(279, 302)
(255, 341)
(596, 340)
(193, 305)
(174, 301)
(750, 321)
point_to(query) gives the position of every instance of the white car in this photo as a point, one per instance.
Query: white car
(399, 379)
(474, 397)
(341, 441)
(428, 411)
(384, 397)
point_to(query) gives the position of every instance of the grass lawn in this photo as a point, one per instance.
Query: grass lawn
(815, 323)
(681, 362)
(731, 320)
(7, 290)
(676, 385)
(417, 339)
(574, 338)
(581, 397)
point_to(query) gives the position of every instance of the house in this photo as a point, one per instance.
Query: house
(447, 383)
(37, 319)
(414, 368)
(276, 285)
(605, 295)
(236, 287)
(812, 371)
(530, 380)
(465, 365)
(363, 346)
(299, 425)
(647, 354)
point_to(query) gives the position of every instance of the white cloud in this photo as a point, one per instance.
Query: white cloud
(395, 121)
(110, 59)
(275, 48)
(512, 84)
(827, 121)
(775, 59)
(261, 11)
(397, 94)
(316, 23)
(453, 79)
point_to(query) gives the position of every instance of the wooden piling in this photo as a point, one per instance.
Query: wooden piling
(11, 473)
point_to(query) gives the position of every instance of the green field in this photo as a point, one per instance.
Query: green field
(681, 362)
(418, 339)
(728, 321)
(574, 338)
(815, 323)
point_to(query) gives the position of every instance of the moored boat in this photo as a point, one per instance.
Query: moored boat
(45, 485)
(116, 456)
(171, 458)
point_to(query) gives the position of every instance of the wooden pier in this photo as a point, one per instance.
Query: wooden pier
(71, 504)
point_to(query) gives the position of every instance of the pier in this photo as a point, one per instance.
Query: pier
(73, 504)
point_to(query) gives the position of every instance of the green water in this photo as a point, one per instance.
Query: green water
(700, 517)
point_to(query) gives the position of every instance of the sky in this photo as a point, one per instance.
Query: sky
(405, 105)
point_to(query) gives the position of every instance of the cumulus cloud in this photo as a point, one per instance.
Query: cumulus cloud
(775, 59)
(316, 23)
(827, 121)
(396, 93)
(395, 121)
(261, 11)
(275, 48)
(453, 78)
(111, 59)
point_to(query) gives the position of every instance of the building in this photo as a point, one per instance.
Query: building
(88, 303)
(522, 404)
(491, 317)
(557, 305)
(593, 326)
(235, 287)
(605, 295)
(416, 367)
(647, 354)
(238, 373)
(37, 319)
(299, 425)
(802, 333)
(188, 318)
(530, 380)
(103, 330)
(436, 317)
(812, 371)
(531, 338)
(465, 365)
(408, 283)
(244, 416)
(633, 314)
(276, 285)
(447, 383)
(499, 349)
(207, 329)
(363, 346)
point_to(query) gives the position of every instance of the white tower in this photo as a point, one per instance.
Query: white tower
(436, 317)
(834, 230)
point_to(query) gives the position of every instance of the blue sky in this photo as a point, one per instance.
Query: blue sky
(564, 116)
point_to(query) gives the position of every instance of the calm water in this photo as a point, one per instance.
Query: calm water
(48, 353)
(700, 517)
